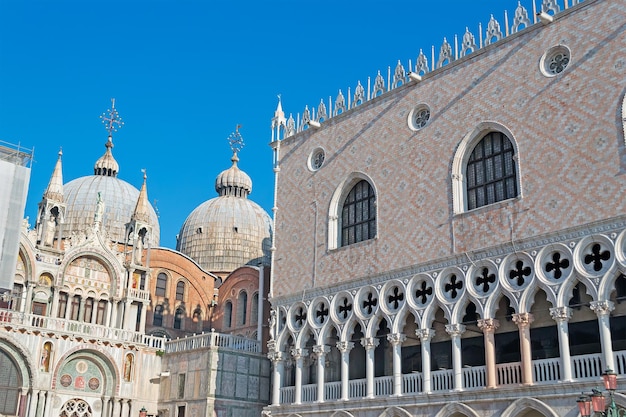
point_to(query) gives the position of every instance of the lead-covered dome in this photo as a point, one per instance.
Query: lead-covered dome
(118, 197)
(228, 231)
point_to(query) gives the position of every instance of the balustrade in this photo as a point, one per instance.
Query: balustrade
(474, 377)
(547, 370)
(332, 390)
(213, 339)
(412, 383)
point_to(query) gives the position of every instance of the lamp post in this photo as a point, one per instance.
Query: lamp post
(596, 402)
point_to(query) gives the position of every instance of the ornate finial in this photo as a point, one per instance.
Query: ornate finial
(145, 173)
(236, 140)
(111, 119)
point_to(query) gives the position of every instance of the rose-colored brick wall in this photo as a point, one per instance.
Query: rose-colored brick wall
(568, 130)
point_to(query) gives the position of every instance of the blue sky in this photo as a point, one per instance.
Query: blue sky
(185, 73)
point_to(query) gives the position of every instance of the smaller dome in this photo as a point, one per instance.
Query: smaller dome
(107, 165)
(233, 181)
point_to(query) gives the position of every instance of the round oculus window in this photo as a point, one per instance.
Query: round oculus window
(555, 60)
(316, 159)
(419, 117)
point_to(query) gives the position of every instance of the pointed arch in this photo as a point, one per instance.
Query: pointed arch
(341, 413)
(522, 405)
(455, 407)
(395, 412)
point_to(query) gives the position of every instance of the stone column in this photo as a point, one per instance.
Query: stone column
(125, 407)
(28, 305)
(127, 319)
(142, 320)
(489, 326)
(106, 412)
(114, 308)
(602, 310)
(23, 402)
(455, 331)
(54, 307)
(116, 407)
(320, 352)
(562, 315)
(81, 308)
(41, 403)
(396, 340)
(32, 404)
(370, 344)
(49, 396)
(345, 348)
(68, 306)
(523, 321)
(425, 336)
(276, 357)
(298, 354)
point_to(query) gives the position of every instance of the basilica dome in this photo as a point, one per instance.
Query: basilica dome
(228, 231)
(119, 199)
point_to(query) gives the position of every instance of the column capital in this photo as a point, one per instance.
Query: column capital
(488, 325)
(320, 350)
(275, 355)
(455, 329)
(602, 308)
(396, 338)
(345, 346)
(369, 342)
(299, 353)
(561, 313)
(523, 319)
(425, 334)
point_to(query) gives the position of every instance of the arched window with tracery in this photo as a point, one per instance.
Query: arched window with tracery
(76, 408)
(490, 172)
(157, 318)
(228, 315)
(486, 168)
(178, 318)
(161, 285)
(242, 308)
(254, 311)
(358, 214)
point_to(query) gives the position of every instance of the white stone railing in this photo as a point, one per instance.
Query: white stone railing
(138, 294)
(332, 390)
(213, 339)
(545, 371)
(77, 329)
(448, 53)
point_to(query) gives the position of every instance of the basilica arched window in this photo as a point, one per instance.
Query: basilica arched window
(485, 168)
(157, 319)
(10, 385)
(242, 308)
(178, 318)
(161, 285)
(228, 314)
(180, 291)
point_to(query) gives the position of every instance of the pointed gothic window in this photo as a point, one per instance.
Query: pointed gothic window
(358, 214)
(490, 172)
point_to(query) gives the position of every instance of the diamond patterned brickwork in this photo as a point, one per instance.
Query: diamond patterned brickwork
(570, 155)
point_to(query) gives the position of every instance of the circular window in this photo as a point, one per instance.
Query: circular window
(316, 159)
(419, 117)
(555, 60)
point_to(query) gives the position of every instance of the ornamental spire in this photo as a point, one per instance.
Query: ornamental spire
(107, 165)
(142, 208)
(55, 186)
